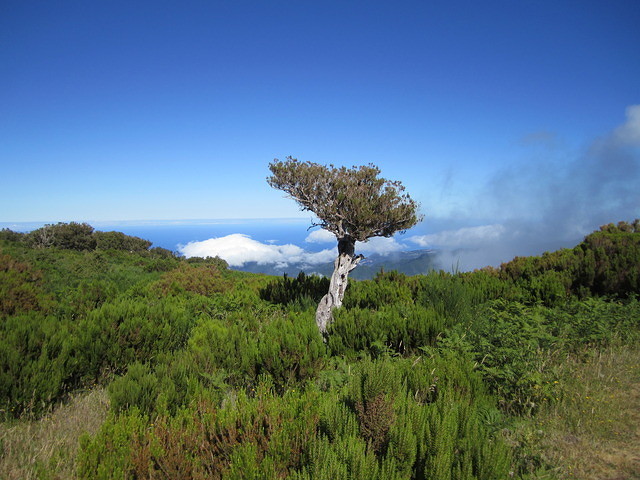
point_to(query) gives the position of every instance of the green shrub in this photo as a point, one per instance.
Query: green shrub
(287, 348)
(120, 241)
(217, 345)
(20, 287)
(263, 435)
(384, 290)
(130, 330)
(304, 290)
(204, 279)
(139, 388)
(111, 453)
(8, 235)
(36, 363)
(408, 418)
(72, 236)
(290, 348)
(399, 328)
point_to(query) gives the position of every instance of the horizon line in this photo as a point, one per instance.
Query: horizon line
(151, 222)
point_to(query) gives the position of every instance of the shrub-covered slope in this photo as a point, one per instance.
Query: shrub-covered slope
(213, 373)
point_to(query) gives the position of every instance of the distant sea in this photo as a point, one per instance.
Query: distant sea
(171, 234)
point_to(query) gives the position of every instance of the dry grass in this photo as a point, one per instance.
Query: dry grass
(593, 431)
(46, 448)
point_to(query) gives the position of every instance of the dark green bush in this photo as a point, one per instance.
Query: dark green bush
(400, 328)
(120, 241)
(304, 290)
(384, 290)
(290, 349)
(219, 345)
(130, 330)
(71, 236)
(37, 363)
(139, 388)
(8, 235)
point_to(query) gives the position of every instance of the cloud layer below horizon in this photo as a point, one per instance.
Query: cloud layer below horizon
(239, 249)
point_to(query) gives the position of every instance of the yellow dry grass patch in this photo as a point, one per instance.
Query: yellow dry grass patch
(593, 431)
(46, 448)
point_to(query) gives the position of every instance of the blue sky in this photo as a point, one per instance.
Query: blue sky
(172, 110)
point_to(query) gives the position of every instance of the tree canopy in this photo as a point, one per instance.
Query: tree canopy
(353, 202)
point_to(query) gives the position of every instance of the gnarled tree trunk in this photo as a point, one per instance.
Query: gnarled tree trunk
(346, 261)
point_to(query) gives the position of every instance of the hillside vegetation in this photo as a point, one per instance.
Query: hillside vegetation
(118, 360)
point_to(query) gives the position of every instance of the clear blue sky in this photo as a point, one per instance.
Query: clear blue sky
(124, 110)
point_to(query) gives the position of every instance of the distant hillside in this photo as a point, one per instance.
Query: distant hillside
(606, 262)
(409, 263)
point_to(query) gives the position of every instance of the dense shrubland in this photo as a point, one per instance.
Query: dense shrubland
(213, 373)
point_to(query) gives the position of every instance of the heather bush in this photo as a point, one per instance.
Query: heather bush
(204, 279)
(255, 431)
(400, 328)
(303, 291)
(37, 364)
(20, 287)
(130, 330)
(290, 349)
(120, 241)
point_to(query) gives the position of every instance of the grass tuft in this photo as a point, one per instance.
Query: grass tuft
(47, 448)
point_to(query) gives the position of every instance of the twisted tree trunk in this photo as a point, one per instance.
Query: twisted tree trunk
(346, 261)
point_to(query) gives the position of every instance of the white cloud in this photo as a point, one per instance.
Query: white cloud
(467, 237)
(321, 236)
(238, 249)
(629, 132)
(380, 245)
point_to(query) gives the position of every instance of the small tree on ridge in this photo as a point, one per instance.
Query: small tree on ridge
(352, 203)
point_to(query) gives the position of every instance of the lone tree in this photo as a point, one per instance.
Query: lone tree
(352, 203)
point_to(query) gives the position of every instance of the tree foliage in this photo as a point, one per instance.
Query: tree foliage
(72, 236)
(352, 202)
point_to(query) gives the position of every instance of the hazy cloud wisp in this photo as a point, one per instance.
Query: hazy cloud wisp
(467, 237)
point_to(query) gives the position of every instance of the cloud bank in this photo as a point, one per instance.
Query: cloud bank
(238, 249)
